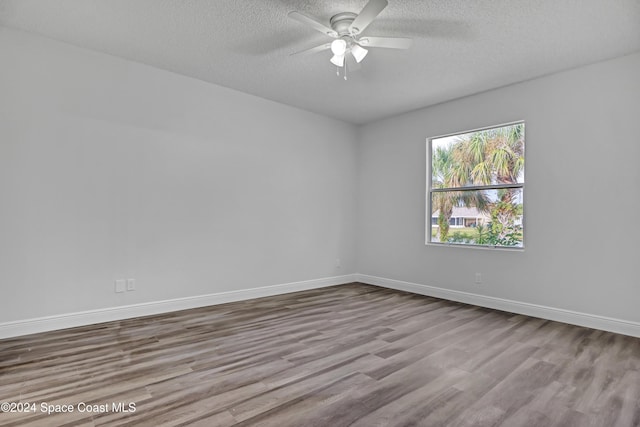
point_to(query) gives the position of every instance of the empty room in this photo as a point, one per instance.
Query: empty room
(304, 213)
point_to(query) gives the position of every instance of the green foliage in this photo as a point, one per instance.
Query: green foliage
(482, 235)
(509, 236)
(459, 237)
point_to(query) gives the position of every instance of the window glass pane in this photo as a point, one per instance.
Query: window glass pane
(487, 157)
(478, 217)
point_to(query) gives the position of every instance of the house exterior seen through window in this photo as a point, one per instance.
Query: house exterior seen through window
(475, 188)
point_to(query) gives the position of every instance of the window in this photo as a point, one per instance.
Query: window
(475, 188)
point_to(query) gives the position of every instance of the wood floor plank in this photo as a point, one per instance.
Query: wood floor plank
(354, 355)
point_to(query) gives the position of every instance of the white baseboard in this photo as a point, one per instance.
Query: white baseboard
(550, 313)
(70, 320)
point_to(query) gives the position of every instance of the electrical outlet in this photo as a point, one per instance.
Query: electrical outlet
(478, 278)
(131, 284)
(338, 263)
(120, 285)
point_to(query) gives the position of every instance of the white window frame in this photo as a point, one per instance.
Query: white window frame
(430, 190)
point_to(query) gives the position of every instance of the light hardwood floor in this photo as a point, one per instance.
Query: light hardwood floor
(346, 355)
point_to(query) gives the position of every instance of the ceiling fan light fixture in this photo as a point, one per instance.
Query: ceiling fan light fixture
(358, 52)
(348, 48)
(338, 47)
(338, 60)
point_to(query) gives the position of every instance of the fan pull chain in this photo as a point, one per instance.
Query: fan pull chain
(338, 71)
(345, 70)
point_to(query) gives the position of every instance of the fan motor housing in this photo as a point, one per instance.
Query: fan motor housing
(341, 22)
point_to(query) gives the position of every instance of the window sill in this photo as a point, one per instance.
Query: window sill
(481, 247)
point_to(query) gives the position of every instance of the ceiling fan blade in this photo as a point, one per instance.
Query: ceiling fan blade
(297, 16)
(368, 14)
(313, 49)
(387, 42)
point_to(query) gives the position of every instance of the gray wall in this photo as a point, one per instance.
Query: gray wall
(581, 197)
(111, 169)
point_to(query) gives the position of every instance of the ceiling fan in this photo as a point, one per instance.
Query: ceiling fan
(350, 46)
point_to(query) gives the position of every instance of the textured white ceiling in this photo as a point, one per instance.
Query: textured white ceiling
(460, 47)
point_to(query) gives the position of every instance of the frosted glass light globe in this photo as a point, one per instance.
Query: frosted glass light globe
(338, 47)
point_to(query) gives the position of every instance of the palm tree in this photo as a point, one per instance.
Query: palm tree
(447, 173)
(494, 156)
(442, 202)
